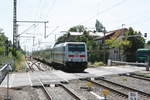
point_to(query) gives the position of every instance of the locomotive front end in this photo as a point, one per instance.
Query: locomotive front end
(76, 56)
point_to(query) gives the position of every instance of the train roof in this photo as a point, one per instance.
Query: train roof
(74, 42)
(143, 49)
(65, 43)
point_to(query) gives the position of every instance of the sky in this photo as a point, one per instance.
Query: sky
(63, 14)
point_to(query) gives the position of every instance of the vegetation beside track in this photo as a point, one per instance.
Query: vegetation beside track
(96, 64)
(143, 74)
(8, 55)
(20, 62)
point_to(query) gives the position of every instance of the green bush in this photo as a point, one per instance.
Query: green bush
(19, 61)
(99, 64)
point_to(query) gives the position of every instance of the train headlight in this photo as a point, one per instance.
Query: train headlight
(82, 59)
(69, 59)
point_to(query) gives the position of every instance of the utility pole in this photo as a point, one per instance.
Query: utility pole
(45, 29)
(14, 26)
(104, 46)
(33, 40)
(120, 48)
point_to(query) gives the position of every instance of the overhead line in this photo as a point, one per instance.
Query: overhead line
(33, 25)
(50, 8)
(33, 21)
(104, 11)
(38, 9)
(135, 22)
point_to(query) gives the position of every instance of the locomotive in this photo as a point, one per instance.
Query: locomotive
(69, 56)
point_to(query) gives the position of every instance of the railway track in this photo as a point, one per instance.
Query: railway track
(37, 65)
(34, 66)
(30, 68)
(59, 92)
(93, 92)
(138, 77)
(120, 89)
(141, 75)
(72, 92)
(109, 88)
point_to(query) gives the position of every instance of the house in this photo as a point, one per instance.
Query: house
(114, 53)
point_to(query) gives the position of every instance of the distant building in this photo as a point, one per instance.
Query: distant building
(114, 53)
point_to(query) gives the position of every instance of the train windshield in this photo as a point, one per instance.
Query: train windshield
(76, 47)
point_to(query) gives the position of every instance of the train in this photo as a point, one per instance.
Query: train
(142, 55)
(69, 56)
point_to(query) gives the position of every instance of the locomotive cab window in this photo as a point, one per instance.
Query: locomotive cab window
(76, 47)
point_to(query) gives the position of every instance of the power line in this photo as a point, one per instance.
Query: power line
(30, 27)
(104, 11)
(50, 7)
(37, 11)
(136, 22)
(52, 31)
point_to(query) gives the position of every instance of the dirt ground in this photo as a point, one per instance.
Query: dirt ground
(23, 93)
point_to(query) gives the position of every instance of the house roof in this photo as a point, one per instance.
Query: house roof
(99, 34)
(76, 33)
(113, 34)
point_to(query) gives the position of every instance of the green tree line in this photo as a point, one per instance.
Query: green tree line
(8, 55)
(128, 44)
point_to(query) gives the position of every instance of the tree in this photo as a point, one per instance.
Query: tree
(3, 40)
(135, 42)
(99, 27)
(94, 49)
(78, 28)
(117, 43)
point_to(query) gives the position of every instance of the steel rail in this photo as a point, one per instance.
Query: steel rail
(45, 91)
(138, 77)
(70, 92)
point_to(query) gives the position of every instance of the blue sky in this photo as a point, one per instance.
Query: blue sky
(63, 14)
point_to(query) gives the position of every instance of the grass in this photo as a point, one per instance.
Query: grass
(144, 74)
(19, 65)
(96, 64)
(17, 62)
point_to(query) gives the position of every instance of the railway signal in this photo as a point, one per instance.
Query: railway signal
(145, 34)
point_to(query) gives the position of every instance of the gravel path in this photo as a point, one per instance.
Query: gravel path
(24, 93)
